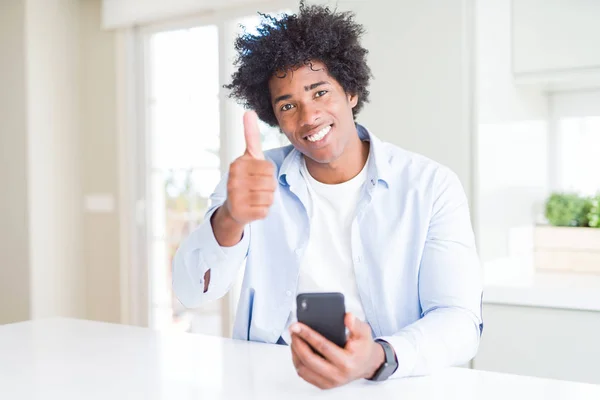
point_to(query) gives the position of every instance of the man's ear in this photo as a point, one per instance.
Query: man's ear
(352, 99)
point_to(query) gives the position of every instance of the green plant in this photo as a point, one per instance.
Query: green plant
(594, 213)
(567, 209)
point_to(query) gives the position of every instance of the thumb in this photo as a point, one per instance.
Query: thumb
(356, 327)
(252, 135)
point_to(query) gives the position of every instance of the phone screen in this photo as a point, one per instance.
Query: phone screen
(324, 313)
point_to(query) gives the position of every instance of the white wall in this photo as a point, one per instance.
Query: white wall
(421, 97)
(556, 36)
(14, 228)
(511, 143)
(57, 270)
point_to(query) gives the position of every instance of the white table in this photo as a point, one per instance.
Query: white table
(62, 359)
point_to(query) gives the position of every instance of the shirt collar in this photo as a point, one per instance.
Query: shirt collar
(378, 168)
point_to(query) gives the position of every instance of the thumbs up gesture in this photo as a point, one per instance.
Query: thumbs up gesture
(251, 183)
(252, 136)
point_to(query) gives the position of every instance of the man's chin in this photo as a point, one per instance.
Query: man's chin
(321, 157)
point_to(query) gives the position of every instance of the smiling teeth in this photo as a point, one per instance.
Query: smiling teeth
(319, 135)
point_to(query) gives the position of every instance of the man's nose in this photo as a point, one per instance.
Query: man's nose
(310, 115)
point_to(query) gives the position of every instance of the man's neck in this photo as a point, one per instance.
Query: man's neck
(346, 167)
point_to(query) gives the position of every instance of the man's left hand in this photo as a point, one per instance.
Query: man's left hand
(335, 366)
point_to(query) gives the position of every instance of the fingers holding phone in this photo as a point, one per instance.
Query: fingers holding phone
(321, 353)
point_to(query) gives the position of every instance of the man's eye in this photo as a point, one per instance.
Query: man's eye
(286, 107)
(320, 93)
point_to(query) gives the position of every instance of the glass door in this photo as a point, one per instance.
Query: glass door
(192, 131)
(183, 161)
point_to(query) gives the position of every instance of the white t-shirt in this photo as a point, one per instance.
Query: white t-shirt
(327, 262)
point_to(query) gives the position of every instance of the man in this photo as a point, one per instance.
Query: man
(337, 210)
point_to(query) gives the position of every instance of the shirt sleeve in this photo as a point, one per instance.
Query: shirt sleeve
(450, 290)
(200, 252)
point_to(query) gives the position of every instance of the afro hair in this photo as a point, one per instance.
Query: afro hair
(314, 34)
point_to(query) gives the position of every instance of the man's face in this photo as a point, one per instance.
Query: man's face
(313, 111)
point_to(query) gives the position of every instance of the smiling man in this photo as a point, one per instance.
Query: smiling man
(336, 211)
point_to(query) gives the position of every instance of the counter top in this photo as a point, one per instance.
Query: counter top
(515, 282)
(63, 359)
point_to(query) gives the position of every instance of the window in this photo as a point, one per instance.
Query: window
(575, 119)
(579, 154)
(192, 131)
(521, 162)
(184, 161)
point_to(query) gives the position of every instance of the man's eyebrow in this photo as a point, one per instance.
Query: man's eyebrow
(315, 85)
(281, 98)
(306, 88)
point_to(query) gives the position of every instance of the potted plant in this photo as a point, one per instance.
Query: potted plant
(594, 214)
(571, 239)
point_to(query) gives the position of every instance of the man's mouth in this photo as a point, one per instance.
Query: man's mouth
(319, 135)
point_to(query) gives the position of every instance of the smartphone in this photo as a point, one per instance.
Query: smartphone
(323, 312)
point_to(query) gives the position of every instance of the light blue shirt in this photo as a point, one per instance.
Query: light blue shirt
(413, 251)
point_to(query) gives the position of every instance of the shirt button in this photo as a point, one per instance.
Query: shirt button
(288, 293)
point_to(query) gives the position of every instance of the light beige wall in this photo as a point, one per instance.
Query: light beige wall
(99, 162)
(57, 142)
(14, 228)
(56, 262)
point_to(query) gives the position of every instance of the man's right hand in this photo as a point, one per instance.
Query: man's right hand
(251, 184)
(250, 188)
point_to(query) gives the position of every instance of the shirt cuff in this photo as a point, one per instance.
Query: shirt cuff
(406, 354)
(222, 261)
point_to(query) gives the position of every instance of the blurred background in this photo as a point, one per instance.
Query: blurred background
(115, 128)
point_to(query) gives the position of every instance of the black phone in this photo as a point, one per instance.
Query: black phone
(323, 312)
